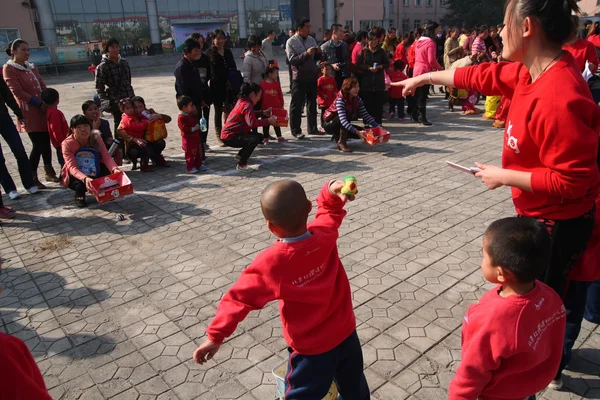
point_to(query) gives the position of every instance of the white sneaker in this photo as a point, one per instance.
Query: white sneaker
(194, 171)
(15, 195)
(33, 190)
(556, 384)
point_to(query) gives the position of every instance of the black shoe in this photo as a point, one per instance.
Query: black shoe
(424, 121)
(80, 201)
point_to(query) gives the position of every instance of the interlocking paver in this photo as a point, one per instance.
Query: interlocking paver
(116, 309)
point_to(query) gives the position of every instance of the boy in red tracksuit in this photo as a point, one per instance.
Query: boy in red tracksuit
(272, 97)
(58, 128)
(396, 99)
(190, 135)
(326, 90)
(512, 339)
(304, 272)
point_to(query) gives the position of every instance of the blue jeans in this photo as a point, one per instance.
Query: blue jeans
(592, 306)
(575, 301)
(12, 138)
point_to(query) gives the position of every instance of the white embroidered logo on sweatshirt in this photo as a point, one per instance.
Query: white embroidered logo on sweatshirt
(512, 141)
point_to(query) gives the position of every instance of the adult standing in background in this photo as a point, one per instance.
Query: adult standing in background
(326, 37)
(255, 63)
(26, 85)
(425, 62)
(113, 80)
(361, 43)
(303, 52)
(336, 53)
(202, 64)
(372, 63)
(452, 50)
(267, 46)
(390, 42)
(291, 33)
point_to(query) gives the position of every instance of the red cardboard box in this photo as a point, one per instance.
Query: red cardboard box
(111, 187)
(282, 117)
(376, 136)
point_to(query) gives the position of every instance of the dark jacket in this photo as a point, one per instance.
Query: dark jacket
(330, 55)
(7, 99)
(372, 81)
(189, 82)
(220, 67)
(113, 82)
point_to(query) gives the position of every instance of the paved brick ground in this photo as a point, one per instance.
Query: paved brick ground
(114, 309)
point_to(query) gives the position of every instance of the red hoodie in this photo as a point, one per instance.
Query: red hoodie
(410, 54)
(134, 126)
(272, 96)
(396, 91)
(57, 126)
(400, 54)
(20, 378)
(308, 279)
(557, 141)
(511, 346)
(425, 60)
(326, 91)
(582, 51)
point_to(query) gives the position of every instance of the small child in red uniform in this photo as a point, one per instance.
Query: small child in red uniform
(190, 135)
(326, 90)
(396, 98)
(304, 272)
(135, 126)
(272, 97)
(58, 128)
(512, 339)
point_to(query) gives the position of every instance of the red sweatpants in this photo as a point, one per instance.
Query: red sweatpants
(192, 147)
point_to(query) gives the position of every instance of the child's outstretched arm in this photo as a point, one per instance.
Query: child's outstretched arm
(330, 205)
(254, 289)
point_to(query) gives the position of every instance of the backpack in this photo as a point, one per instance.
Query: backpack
(88, 161)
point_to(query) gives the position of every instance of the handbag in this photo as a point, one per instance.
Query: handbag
(157, 130)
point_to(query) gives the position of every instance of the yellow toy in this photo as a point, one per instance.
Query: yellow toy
(350, 188)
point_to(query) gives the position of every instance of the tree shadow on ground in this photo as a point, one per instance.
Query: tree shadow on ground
(34, 303)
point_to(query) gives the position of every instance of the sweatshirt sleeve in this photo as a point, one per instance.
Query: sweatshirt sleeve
(184, 127)
(431, 52)
(55, 127)
(100, 81)
(247, 69)
(340, 106)
(255, 287)
(490, 78)
(568, 145)
(71, 162)
(251, 120)
(330, 209)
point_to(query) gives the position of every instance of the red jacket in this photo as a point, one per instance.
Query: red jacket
(20, 378)
(57, 126)
(411, 56)
(396, 91)
(326, 91)
(187, 124)
(511, 346)
(400, 54)
(241, 120)
(134, 126)
(557, 141)
(272, 95)
(582, 51)
(594, 39)
(356, 52)
(308, 279)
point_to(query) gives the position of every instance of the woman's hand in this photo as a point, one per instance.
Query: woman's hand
(372, 69)
(410, 85)
(140, 142)
(96, 124)
(268, 112)
(361, 135)
(116, 171)
(22, 122)
(155, 117)
(493, 177)
(88, 184)
(272, 120)
(44, 107)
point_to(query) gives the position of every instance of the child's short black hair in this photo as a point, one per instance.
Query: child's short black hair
(521, 245)
(79, 120)
(138, 99)
(398, 65)
(270, 69)
(183, 101)
(50, 96)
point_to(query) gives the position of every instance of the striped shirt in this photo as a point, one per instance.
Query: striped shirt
(478, 46)
(340, 106)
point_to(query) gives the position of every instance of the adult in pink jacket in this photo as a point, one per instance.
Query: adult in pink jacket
(425, 63)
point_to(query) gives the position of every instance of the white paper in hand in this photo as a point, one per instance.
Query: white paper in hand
(470, 170)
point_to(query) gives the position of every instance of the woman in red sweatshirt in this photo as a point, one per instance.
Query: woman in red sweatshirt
(425, 62)
(550, 148)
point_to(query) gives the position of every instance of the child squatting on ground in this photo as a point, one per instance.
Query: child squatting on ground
(302, 270)
(512, 339)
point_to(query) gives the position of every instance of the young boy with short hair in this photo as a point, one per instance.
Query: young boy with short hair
(190, 135)
(304, 272)
(512, 339)
(58, 128)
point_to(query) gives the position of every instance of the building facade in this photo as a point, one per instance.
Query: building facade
(17, 20)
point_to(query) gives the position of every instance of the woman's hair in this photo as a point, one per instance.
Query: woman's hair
(79, 119)
(249, 88)
(429, 30)
(124, 102)
(13, 46)
(361, 35)
(189, 45)
(216, 33)
(86, 104)
(138, 99)
(452, 30)
(195, 36)
(254, 41)
(110, 42)
(372, 36)
(348, 84)
(554, 16)
(481, 29)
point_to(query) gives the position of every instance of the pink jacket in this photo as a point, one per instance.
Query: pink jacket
(26, 83)
(425, 57)
(70, 146)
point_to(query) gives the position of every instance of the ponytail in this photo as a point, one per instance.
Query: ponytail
(249, 88)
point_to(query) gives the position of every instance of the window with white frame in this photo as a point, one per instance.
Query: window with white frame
(7, 35)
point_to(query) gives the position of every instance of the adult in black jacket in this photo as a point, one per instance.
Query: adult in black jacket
(371, 65)
(223, 91)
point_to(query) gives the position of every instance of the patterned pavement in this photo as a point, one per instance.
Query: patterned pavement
(114, 309)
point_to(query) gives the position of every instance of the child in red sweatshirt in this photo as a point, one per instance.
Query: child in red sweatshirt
(326, 90)
(304, 272)
(190, 135)
(512, 339)
(135, 127)
(272, 97)
(57, 124)
(396, 99)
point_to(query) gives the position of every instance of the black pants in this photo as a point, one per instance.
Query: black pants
(40, 149)
(9, 132)
(309, 376)
(339, 79)
(373, 102)
(267, 129)
(247, 143)
(151, 150)
(419, 108)
(117, 115)
(335, 128)
(204, 112)
(218, 118)
(79, 187)
(323, 109)
(397, 104)
(59, 157)
(301, 92)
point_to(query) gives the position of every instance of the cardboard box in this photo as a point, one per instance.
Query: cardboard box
(282, 117)
(111, 187)
(376, 136)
